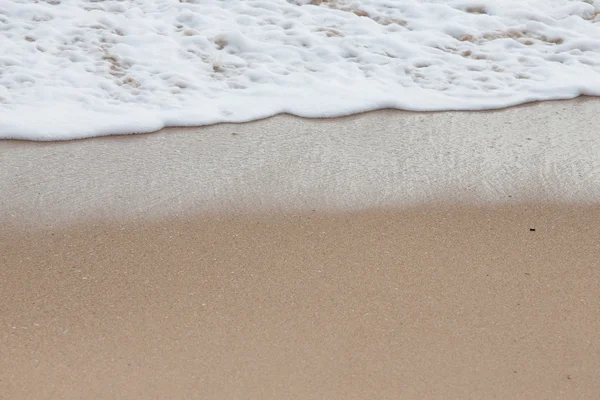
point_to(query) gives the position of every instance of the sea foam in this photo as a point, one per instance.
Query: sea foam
(79, 68)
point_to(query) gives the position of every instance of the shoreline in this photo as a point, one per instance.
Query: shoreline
(519, 105)
(538, 152)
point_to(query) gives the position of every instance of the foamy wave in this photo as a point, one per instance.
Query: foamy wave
(77, 68)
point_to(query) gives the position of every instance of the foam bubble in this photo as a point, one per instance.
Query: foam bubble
(74, 68)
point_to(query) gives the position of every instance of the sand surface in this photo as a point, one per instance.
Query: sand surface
(431, 302)
(386, 255)
(542, 151)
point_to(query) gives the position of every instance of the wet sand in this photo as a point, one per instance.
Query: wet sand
(436, 301)
(385, 255)
(536, 152)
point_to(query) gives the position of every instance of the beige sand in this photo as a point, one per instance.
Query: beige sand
(431, 302)
(190, 263)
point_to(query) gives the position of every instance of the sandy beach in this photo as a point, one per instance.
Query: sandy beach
(431, 302)
(229, 262)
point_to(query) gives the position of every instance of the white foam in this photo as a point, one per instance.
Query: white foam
(79, 68)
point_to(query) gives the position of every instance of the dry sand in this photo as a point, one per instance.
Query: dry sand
(430, 302)
(138, 267)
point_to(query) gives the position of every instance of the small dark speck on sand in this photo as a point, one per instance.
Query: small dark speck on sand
(531, 229)
(234, 134)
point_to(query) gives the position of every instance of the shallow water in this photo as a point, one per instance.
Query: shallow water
(542, 152)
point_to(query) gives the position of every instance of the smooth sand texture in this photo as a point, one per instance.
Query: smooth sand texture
(190, 263)
(431, 302)
(535, 152)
